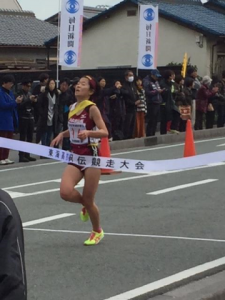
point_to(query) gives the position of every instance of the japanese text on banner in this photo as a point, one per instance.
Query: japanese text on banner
(148, 37)
(71, 33)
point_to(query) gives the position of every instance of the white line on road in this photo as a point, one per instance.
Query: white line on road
(37, 183)
(133, 235)
(33, 166)
(222, 145)
(48, 219)
(22, 195)
(183, 186)
(154, 286)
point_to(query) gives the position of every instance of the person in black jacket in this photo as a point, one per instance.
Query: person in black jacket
(167, 105)
(66, 98)
(131, 102)
(118, 111)
(153, 94)
(26, 117)
(48, 103)
(38, 89)
(13, 284)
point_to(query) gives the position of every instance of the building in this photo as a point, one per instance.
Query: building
(184, 26)
(22, 39)
(110, 39)
(10, 4)
(89, 12)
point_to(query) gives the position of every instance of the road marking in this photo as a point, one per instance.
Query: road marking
(16, 194)
(182, 186)
(133, 235)
(28, 167)
(37, 183)
(21, 195)
(222, 145)
(165, 282)
(48, 219)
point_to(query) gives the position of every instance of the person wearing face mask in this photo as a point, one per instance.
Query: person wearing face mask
(131, 102)
(202, 101)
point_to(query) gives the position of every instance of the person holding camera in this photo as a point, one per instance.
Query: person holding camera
(26, 117)
(8, 115)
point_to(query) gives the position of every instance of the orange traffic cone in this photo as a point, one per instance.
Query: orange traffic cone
(189, 147)
(105, 152)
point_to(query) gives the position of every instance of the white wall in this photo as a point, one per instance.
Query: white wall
(10, 4)
(111, 42)
(175, 40)
(114, 42)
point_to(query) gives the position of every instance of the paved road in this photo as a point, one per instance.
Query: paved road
(148, 236)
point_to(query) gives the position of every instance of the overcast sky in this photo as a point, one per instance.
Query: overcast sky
(46, 8)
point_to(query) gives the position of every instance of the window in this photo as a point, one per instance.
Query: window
(132, 13)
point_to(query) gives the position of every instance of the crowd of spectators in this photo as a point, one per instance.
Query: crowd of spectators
(133, 108)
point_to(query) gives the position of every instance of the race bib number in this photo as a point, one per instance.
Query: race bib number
(74, 129)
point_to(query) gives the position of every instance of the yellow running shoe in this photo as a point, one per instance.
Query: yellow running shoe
(94, 238)
(84, 216)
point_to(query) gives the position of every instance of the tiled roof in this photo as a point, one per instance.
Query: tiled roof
(23, 29)
(193, 13)
(188, 12)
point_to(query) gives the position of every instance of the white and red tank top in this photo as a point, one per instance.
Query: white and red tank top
(79, 123)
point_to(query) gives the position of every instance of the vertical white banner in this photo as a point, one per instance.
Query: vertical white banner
(148, 37)
(71, 33)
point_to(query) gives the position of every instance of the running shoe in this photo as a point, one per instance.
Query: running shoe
(94, 238)
(9, 162)
(84, 216)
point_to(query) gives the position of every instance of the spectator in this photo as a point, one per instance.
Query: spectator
(177, 89)
(118, 112)
(202, 101)
(221, 103)
(168, 103)
(66, 98)
(38, 89)
(48, 103)
(103, 103)
(141, 109)
(73, 85)
(153, 93)
(192, 73)
(8, 115)
(26, 117)
(13, 284)
(186, 98)
(131, 101)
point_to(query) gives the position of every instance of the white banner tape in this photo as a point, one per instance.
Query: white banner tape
(125, 165)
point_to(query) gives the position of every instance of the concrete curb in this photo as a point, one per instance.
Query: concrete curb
(209, 288)
(166, 139)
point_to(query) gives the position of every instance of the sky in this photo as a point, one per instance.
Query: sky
(47, 8)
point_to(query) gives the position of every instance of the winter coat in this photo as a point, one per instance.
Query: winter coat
(117, 105)
(43, 102)
(8, 111)
(202, 98)
(167, 98)
(130, 96)
(152, 91)
(13, 285)
(26, 107)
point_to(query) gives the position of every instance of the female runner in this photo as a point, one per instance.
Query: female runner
(84, 118)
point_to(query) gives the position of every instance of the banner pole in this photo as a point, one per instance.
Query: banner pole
(58, 43)
(138, 38)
